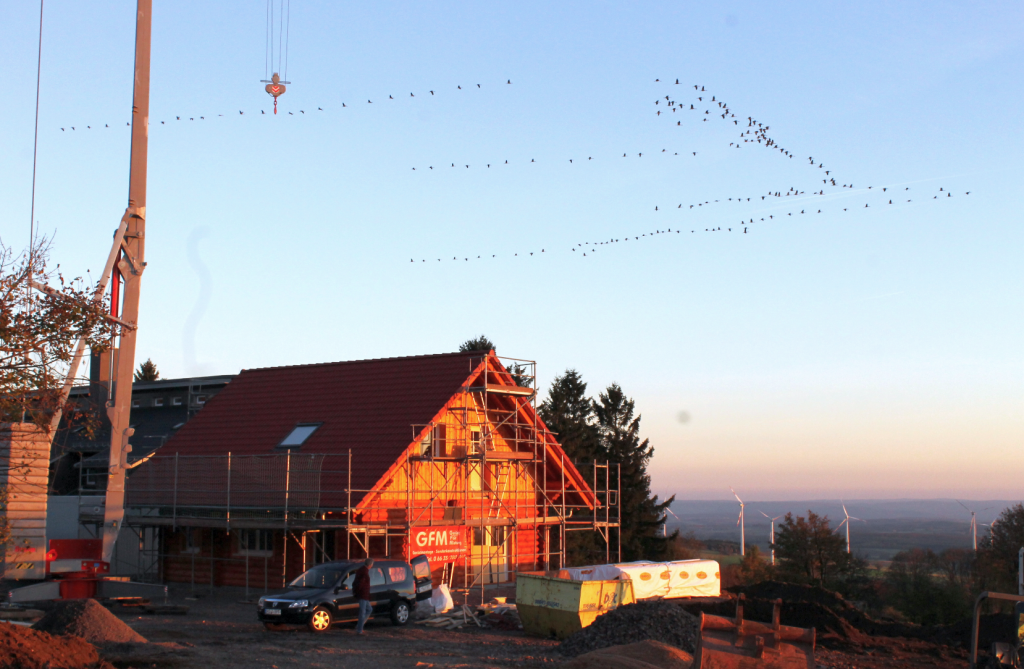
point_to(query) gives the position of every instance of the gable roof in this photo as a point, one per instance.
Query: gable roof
(368, 406)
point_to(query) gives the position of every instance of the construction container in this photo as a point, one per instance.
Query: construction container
(558, 607)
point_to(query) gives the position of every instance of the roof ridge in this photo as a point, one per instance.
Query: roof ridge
(467, 354)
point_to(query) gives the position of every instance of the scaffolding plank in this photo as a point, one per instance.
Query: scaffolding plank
(499, 389)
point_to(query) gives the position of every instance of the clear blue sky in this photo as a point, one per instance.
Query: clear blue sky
(871, 353)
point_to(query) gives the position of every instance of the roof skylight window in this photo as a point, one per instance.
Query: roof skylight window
(298, 436)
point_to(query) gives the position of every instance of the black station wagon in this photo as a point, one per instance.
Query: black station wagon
(323, 595)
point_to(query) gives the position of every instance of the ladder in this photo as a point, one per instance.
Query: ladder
(500, 488)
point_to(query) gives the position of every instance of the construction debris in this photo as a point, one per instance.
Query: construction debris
(494, 614)
(737, 642)
(662, 621)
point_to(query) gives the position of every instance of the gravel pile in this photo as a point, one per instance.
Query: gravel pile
(88, 619)
(658, 620)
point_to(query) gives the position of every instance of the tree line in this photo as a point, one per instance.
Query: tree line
(918, 585)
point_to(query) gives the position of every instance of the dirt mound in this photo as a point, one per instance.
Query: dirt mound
(23, 648)
(88, 619)
(658, 621)
(793, 592)
(640, 655)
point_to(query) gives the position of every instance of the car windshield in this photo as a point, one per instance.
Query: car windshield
(323, 576)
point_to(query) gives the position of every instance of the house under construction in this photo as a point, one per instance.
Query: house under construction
(442, 455)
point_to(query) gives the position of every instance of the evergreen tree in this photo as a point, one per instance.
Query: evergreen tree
(147, 371)
(481, 343)
(569, 413)
(642, 514)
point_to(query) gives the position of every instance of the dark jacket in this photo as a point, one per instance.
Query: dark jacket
(361, 584)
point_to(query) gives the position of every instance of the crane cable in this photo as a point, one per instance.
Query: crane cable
(35, 155)
(275, 85)
(282, 18)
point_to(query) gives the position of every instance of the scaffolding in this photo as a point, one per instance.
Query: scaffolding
(484, 466)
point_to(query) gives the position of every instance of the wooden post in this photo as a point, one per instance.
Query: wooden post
(174, 507)
(229, 496)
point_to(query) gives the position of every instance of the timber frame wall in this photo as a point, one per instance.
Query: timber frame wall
(482, 463)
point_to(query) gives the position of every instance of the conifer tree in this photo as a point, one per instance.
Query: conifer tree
(481, 343)
(643, 515)
(569, 413)
(147, 371)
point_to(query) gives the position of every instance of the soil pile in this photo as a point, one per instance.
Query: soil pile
(88, 619)
(658, 621)
(23, 648)
(640, 655)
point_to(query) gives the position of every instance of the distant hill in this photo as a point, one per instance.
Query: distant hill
(890, 525)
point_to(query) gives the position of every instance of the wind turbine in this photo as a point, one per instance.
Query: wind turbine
(847, 523)
(664, 524)
(974, 524)
(739, 521)
(772, 535)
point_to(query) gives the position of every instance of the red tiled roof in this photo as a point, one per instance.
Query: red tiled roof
(368, 406)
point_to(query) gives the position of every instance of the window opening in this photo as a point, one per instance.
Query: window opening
(193, 540)
(299, 434)
(176, 402)
(255, 542)
(439, 441)
(158, 402)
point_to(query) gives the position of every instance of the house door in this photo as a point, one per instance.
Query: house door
(488, 560)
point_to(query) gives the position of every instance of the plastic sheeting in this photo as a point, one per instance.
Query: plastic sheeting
(657, 580)
(441, 599)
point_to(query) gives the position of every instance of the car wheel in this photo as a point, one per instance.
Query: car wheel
(400, 612)
(321, 620)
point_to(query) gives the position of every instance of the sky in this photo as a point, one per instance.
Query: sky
(858, 352)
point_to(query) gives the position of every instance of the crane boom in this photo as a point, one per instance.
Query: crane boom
(129, 266)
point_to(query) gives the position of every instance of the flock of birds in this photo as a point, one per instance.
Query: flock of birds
(695, 102)
(263, 112)
(741, 227)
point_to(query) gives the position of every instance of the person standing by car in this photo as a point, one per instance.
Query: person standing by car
(361, 590)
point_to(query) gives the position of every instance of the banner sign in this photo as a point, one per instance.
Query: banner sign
(439, 544)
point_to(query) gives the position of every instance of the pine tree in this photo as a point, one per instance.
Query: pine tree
(569, 413)
(147, 371)
(643, 515)
(481, 343)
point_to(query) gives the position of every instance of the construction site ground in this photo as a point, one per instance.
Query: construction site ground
(220, 630)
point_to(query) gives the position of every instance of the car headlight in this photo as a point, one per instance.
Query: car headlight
(262, 602)
(300, 604)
